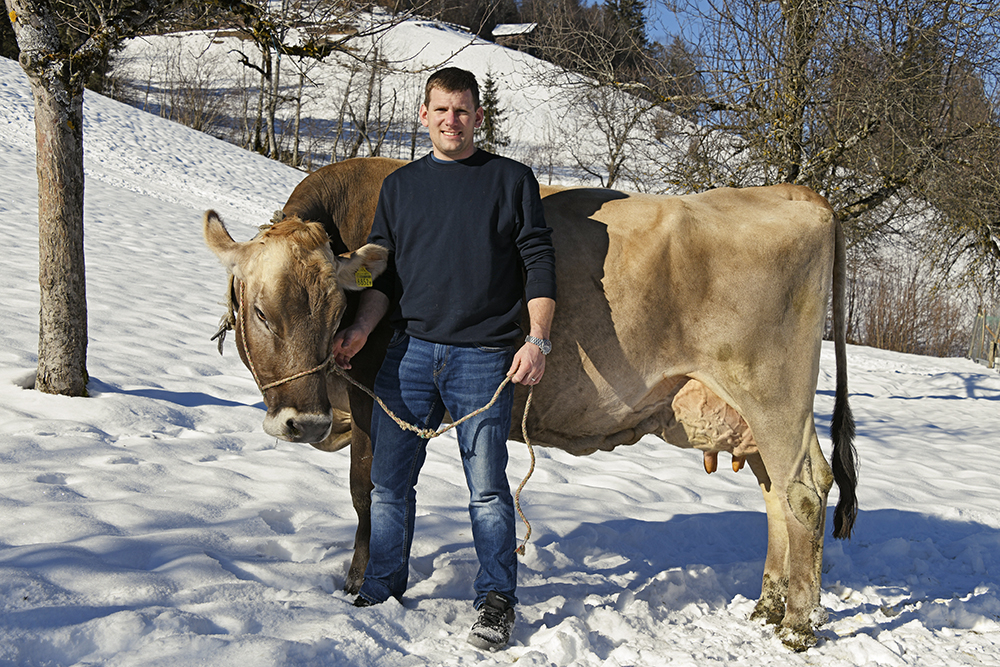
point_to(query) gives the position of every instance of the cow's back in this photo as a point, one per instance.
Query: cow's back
(342, 197)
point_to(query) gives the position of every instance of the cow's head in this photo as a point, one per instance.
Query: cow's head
(289, 299)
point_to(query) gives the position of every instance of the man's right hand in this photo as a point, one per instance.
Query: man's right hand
(350, 340)
(347, 343)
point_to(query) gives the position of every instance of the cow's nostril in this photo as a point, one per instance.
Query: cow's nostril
(290, 424)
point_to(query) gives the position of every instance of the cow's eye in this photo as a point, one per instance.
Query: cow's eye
(260, 315)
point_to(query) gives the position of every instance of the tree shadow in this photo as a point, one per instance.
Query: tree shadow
(186, 399)
(895, 553)
(976, 387)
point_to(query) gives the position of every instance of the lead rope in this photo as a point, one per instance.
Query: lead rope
(531, 469)
(427, 434)
(424, 433)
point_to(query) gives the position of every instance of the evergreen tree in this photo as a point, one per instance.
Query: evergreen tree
(625, 26)
(627, 19)
(490, 137)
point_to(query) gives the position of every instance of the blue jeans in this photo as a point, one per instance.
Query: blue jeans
(418, 381)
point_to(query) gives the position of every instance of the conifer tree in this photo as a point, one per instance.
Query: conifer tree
(628, 20)
(490, 137)
(625, 25)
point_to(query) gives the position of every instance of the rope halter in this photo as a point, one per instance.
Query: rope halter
(241, 320)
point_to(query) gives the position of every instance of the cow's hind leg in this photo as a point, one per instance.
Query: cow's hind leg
(795, 496)
(806, 497)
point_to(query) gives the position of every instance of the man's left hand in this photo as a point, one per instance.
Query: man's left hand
(528, 366)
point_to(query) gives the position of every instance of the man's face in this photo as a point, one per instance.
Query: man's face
(452, 120)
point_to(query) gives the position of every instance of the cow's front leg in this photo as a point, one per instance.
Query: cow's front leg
(361, 495)
(365, 367)
(770, 607)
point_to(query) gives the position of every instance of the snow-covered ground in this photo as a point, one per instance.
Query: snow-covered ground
(156, 524)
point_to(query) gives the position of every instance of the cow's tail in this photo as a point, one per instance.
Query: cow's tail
(845, 468)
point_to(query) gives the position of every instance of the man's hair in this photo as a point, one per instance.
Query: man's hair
(452, 80)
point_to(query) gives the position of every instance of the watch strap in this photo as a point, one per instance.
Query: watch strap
(543, 344)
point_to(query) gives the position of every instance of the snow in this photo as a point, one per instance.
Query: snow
(508, 29)
(155, 523)
(546, 128)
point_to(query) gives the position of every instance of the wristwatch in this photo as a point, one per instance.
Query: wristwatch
(544, 344)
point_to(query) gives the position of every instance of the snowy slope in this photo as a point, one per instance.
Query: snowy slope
(156, 524)
(547, 125)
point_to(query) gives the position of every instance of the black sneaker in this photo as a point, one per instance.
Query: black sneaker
(496, 620)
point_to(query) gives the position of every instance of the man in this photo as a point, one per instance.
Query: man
(468, 244)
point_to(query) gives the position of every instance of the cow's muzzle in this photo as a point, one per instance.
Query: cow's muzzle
(294, 426)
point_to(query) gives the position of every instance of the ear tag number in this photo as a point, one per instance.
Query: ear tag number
(363, 277)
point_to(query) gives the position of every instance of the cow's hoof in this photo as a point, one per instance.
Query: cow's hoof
(819, 616)
(353, 583)
(798, 639)
(769, 609)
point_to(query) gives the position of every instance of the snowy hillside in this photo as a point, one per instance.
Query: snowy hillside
(156, 524)
(548, 126)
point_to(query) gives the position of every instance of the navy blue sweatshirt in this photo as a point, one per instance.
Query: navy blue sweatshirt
(468, 243)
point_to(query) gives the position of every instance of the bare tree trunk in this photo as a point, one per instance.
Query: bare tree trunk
(62, 333)
(298, 118)
(382, 125)
(58, 97)
(259, 119)
(414, 131)
(247, 139)
(361, 123)
(803, 19)
(272, 108)
(344, 104)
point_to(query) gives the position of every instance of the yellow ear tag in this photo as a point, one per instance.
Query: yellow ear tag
(363, 277)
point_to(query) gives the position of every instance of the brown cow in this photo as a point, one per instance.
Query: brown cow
(698, 319)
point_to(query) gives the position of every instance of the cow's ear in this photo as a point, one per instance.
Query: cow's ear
(219, 241)
(355, 271)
